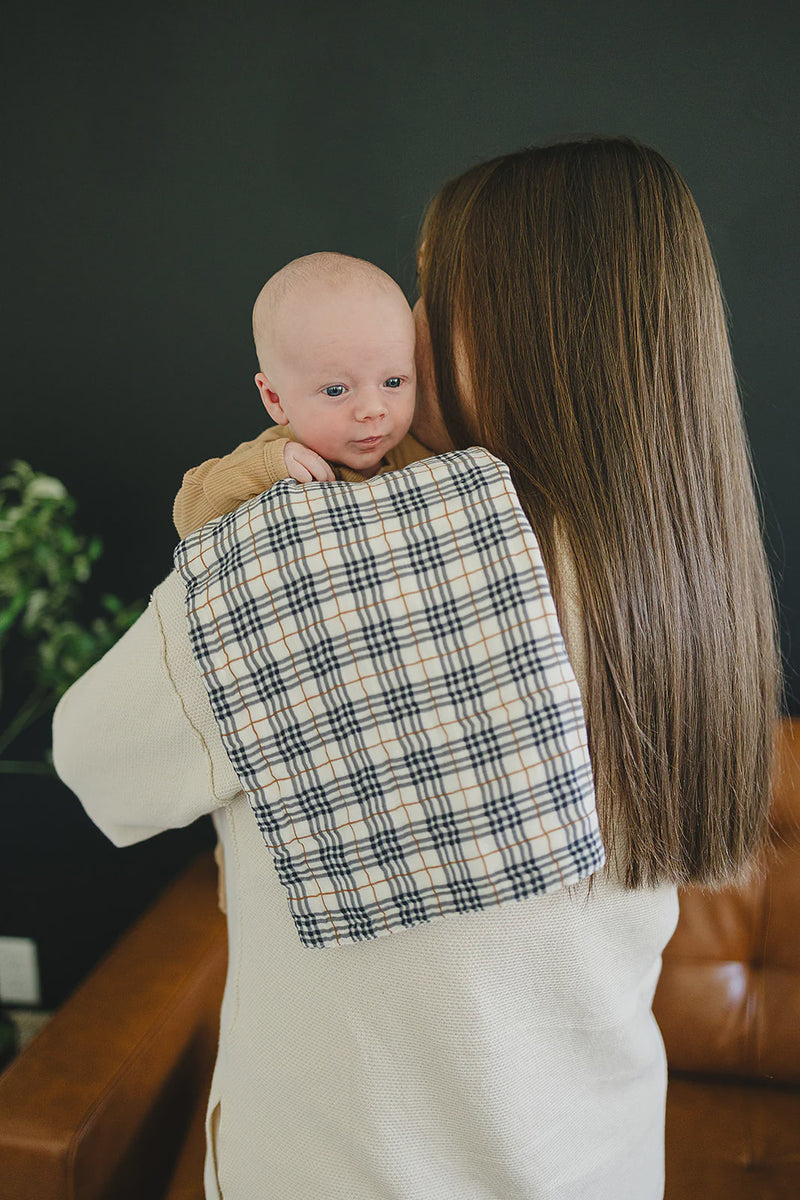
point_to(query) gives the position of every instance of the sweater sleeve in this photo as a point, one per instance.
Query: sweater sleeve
(220, 485)
(135, 738)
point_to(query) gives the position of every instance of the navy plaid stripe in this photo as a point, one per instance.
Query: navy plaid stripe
(387, 671)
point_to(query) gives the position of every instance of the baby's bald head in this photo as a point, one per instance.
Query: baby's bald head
(313, 279)
(335, 341)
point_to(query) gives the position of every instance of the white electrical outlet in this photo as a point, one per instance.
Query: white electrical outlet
(19, 971)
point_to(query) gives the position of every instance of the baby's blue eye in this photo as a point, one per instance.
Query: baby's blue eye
(335, 390)
(393, 382)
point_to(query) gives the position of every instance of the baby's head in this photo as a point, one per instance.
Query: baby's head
(335, 342)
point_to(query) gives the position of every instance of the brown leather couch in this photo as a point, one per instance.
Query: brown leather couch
(728, 1003)
(107, 1103)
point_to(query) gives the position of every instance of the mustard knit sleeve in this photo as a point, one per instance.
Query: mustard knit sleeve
(220, 485)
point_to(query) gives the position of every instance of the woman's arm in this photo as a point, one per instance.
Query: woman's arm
(135, 737)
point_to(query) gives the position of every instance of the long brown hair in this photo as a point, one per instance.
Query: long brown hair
(577, 282)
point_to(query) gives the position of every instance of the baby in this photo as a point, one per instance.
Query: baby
(334, 337)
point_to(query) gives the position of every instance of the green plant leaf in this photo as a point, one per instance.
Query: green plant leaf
(44, 487)
(44, 563)
(34, 609)
(9, 613)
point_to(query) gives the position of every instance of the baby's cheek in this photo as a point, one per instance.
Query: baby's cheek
(407, 417)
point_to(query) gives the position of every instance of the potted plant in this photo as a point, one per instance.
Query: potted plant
(44, 564)
(63, 885)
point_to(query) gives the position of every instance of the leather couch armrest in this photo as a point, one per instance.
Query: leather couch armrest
(97, 1106)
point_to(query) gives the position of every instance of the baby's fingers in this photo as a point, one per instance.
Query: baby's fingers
(319, 468)
(306, 465)
(299, 472)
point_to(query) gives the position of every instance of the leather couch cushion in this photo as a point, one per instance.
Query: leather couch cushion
(731, 1141)
(728, 1001)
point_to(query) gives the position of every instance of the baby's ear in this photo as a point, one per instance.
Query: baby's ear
(271, 400)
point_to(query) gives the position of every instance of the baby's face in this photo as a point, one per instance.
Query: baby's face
(344, 374)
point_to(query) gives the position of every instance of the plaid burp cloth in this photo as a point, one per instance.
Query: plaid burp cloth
(387, 670)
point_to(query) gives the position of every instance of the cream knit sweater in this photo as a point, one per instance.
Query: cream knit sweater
(509, 1054)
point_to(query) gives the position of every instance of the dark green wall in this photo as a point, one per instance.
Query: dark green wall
(166, 158)
(163, 160)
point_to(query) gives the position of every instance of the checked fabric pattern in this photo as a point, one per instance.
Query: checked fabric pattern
(387, 670)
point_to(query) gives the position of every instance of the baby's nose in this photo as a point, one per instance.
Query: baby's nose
(370, 407)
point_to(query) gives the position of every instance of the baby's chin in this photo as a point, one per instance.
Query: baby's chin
(366, 465)
(367, 461)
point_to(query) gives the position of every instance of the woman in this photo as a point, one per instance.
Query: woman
(570, 321)
(578, 332)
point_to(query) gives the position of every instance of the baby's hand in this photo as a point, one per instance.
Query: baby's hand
(305, 465)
